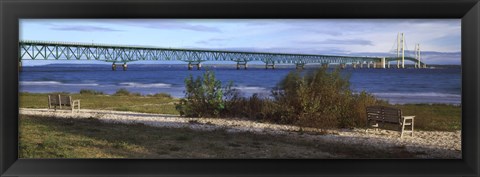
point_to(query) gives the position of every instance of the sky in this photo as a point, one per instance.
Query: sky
(439, 39)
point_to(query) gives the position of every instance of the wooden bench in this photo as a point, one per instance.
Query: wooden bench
(62, 101)
(383, 115)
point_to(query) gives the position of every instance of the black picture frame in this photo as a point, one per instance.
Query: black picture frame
(11, 11)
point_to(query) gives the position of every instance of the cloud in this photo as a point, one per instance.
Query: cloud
(165, 24)
(212, 40)
(83, 28)
(340, 42)
(183, 26)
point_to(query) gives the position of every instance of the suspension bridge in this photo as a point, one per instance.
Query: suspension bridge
(117, 54)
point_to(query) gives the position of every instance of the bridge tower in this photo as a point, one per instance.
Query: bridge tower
(417, 56)
(401, 49)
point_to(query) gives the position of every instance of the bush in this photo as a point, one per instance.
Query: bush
(318, 99)
(321, 99)
(205, 96)
(90, 92)
(125, 92)
(162, 95)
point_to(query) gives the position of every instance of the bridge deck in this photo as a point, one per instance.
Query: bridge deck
(41, 50)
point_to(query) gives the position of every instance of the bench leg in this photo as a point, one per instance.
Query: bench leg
(78, 106)
(412, 127)
(72, 105)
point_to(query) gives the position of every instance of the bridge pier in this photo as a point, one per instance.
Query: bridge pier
(124, 66)
(361, 64)
(354, 65)
(270, 65)
(114, 67)
(343, 65)
(382, 63)
(325, 65)
(20, 66)
(191, 64)
(240, 63)
(300, 66)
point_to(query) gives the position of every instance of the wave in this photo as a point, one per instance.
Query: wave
(249, 88)
(153, 85)
(54, 83)
(419, 94)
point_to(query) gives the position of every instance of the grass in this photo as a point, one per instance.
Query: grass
(46, 137)
(159, 103)
(436, 117)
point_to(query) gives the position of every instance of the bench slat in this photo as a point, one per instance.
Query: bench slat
(56, 100)
(384, 114)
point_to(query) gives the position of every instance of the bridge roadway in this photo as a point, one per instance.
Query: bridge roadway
(42, 50)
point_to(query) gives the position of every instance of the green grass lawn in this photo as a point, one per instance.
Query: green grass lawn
(45, 137)
(161, 104)
(438, 117)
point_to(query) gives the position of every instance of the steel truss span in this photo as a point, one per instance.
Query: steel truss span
(41, 50)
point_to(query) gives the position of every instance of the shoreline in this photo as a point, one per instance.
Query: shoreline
(429, 144)
(380, 96)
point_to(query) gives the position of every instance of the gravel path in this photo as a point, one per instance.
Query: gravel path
(427, 144)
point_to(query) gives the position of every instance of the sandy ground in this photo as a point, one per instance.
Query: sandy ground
(428, 144)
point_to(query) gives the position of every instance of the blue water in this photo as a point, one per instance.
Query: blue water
(399, 86)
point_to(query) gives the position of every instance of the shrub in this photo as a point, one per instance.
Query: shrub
(205, 96)
(90, 92)
(122, 92)
(162, 95)
(125, 92)
(320, 99)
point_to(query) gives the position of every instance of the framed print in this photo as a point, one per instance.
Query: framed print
(239, 88)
